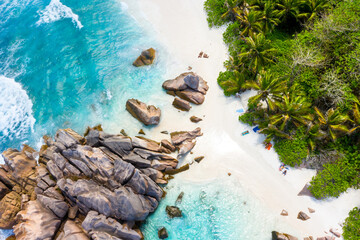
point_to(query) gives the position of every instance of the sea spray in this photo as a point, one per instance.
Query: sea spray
(56, 11)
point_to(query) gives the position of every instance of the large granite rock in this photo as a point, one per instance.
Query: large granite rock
(10, 205)
(149, 115)
(191, 96)
(95, 222)
(122, 203)
(181, 104)
(17, 178)
(189, 87)
(184, 141)
(179, 137)
(36, 222)
(147, 57)
(68, 137)
(282, 236)
(72, 231)
(188, 80)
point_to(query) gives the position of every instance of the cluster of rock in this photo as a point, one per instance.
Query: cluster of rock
(147, 57)
(100, 186)
(187, 88)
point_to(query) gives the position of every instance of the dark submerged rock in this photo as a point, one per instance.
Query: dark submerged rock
(162, 233)
(179, 198)
(173, 211)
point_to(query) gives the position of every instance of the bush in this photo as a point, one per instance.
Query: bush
(331, 181)
(230, 82)
(247, 118)
(292, 151)
(215, 9)
(352, 225)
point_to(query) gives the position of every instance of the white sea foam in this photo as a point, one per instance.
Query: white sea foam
(56, 11)
(124, 6)
(15, 109)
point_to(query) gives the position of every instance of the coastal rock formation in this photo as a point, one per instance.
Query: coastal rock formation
(92, 187)
(282, 236)
(99, 224)
(146, 58)
(18, 179)
(181, 104)
(72, 231)
(184, 141)
(36, 222)
(149, 115)
(188, 86)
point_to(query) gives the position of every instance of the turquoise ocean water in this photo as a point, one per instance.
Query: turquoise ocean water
(68, 64)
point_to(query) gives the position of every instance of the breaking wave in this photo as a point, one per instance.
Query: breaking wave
(56, 11)
(15, 110)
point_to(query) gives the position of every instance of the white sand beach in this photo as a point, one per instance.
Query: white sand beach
(182, 28)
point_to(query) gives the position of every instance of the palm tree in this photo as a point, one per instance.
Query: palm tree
(268, 87)
(270, 17)
(251, 23)
(272, 131)
(356, 118)
(232, 82)
(332, 122)
(292, 109)
(314, 134)
(289, 9)
(233, 10)
(316, 7)
(257, 53)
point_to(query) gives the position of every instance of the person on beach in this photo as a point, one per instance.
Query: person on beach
(284, 172)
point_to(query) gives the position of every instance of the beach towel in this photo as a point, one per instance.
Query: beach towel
(244, 133)
(255, 129)
(240, 110)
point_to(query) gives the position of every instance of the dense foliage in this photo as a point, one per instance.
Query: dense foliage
(352, 225)
(302, 57)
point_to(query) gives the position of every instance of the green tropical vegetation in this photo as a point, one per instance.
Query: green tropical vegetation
(302, 58)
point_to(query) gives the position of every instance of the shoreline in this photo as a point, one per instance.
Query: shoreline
(185, 33)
